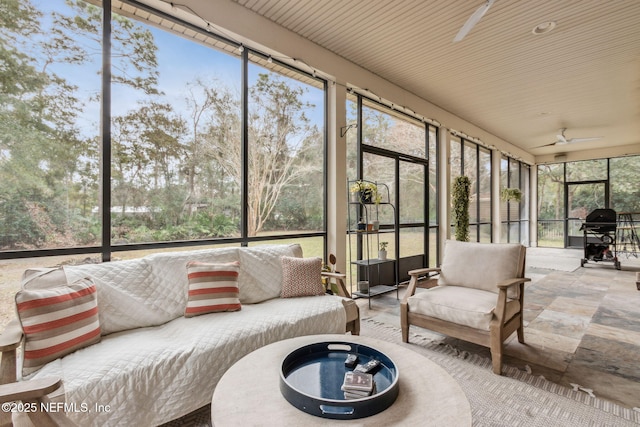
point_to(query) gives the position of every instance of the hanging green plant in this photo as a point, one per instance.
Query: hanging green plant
(460, 196)
(511, 195)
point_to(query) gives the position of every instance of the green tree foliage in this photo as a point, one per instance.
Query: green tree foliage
(625, 186)
(20, 129)
(175, 174)
(551, 192)
(48, 166)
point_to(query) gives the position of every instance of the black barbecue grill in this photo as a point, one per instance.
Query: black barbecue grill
(600, 237)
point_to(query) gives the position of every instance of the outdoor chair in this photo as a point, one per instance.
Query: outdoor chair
(477, 295)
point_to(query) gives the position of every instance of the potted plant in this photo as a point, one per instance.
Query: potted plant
(364, 192)
(460, 198)
(511, 195)
(382, 250)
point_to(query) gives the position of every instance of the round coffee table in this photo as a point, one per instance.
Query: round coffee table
(248, 394)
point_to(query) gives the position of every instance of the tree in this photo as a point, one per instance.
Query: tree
(48, 163)
(280, 136)
(213, 128)
(625, 191)
(146, 151)
(18, 128)
(279, 126)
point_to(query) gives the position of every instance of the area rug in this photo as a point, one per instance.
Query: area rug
(514, 399)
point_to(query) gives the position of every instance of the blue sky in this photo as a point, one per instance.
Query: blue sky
(180, 62)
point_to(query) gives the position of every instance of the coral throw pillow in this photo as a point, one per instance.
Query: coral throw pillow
(301, 277)
(57, 321)
(212, 288)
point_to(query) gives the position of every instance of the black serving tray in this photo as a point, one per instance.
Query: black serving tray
(311, 377)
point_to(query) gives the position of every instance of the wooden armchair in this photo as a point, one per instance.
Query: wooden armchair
(478, 296)
(28, 398)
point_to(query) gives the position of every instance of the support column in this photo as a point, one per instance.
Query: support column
(533, 206)
(337, 175)
(496, 215)
(444, 183)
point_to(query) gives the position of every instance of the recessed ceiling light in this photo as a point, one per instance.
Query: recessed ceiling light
(544, 28)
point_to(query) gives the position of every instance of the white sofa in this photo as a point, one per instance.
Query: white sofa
(153, 364)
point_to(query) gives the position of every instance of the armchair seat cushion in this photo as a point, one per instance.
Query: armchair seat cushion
(463, 306)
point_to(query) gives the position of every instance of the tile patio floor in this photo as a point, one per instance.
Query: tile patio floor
(582, 325)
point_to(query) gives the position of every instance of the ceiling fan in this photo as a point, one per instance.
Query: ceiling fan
(561, 139)
(473, 20)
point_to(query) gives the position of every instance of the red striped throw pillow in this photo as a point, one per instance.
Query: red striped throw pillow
(57, 321)
(212, 288)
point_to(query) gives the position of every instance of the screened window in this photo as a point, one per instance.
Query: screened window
(473, 161)
(50, 123)
(567, 192)
(400, 152)
(514, 175)
(165, 157)
(625, 184)
(185, 163)
(286, 150)
(176, 138)
(391, 130)
(551, 205)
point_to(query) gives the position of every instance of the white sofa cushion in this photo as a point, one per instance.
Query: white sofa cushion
(463, 306)
(146, 291)
(168, 272)
(43, 278)
(480, 265)
(149, 376)
(152, 290)
(127, 297)
(261, 271)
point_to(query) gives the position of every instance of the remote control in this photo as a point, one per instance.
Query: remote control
(368, 367)
(351, 360)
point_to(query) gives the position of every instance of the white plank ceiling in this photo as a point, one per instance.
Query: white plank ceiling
(584, 75)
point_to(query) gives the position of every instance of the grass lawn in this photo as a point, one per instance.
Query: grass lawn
(411, 244)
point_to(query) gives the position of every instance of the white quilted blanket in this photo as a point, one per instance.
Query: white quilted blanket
(148, 376)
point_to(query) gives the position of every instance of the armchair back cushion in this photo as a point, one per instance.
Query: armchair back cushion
(481, 266)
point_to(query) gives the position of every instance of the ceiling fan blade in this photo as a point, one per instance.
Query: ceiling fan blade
(545, 145)
(473, 20)
(574, 140)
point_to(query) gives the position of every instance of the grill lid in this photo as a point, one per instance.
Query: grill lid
(602, 216)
